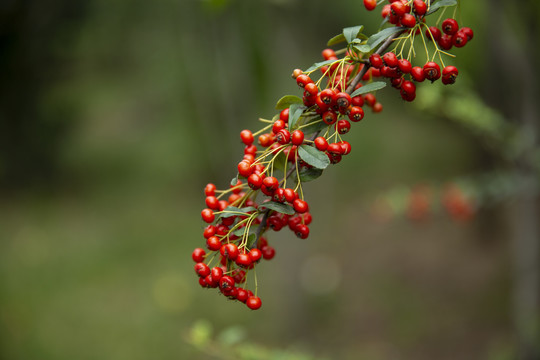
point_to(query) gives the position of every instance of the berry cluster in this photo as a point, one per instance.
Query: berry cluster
(298, 144)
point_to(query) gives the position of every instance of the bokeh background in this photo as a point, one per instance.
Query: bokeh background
(114, 115)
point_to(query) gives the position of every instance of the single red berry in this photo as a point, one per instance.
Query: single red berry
(208, 215)
(329, 117)
(279, 195)
(307, 216)
(343, 100)
(433, 33)
(202, 282)
(417, 74)
(239, 276)
(212, 202)
(385, 11)
(243, 260)
(320, 143)
(198, 255)
(247, 137)
(271, 182)
(446, 42)
(255, 181)
(255, 255)
(328, 96)
(226, 282)
(300, 206)
(244, 168)
(345, 148)
(328, 53)
(356, 114)
(278, 126)
(334, 148)
(311, 89)
(213, 243)
(242, 295)
(377, 107)
(265, 140)
(297, 137)
(449, 75)
(284, 115)
(404, 66)
(283, 136)
(370, 99)
(432, 71)
(210, 230)
(376, 61)
(420, 7)
(229, 251)
(390, 59)
(408, 20)
(343, 126)
(460, 39)
(216, 273)
(408, 87)
(398, 8)
(202, 269)
(302, 230)
(210, 190)
(449, 26)
(290, 195)
(250, 150)
(253, 302)
(303, 79)
(268, 252)
(370, 4)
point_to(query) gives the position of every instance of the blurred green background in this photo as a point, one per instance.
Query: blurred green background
(115, 114)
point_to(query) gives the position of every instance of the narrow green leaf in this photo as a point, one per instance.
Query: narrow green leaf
(279, 207)
(378, 38)
(241, 231)
(295, 111)
(336, 40)
(319, 65)
(313, 157)
(287, 101)
(309, 174)
(376, 85)
(251, 240)
(234, 180)
(234, 211)
(350, 33)
(440, 4)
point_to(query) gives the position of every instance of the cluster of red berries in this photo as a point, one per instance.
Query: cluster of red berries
(451, 35)
(292, 148)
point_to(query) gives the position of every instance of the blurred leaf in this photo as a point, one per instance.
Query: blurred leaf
(232, 336)
(295, 111)
(375, 39)
(319, 65)
(287, 101)
(440, 4)
(336, 40)
(313, 157)
(200, 333)
(279, 207)
(376, 85)
(352, 32)
(309, 174)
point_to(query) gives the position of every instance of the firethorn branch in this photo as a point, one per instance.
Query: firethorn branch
(328, 106)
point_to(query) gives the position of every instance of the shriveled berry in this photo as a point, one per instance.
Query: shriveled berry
(432, 71)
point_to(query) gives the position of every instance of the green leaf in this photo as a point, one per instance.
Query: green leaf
(336, 40)
(319, 65)
(309, 174)
(440, 4)
(250, 240)
(295, 111)
(287, 101)
(234, 180)
(352, 32)
(241, 231)
(236, 211)
(313, 157)
(279, 207)
(315, 126)
(378, 38)
(376, 85)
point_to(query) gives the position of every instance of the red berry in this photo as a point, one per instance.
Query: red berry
(216, 273)
(376, 61)
(408, 20)
(202, 269)
(243, 260)
(198, 255)
(408, 87)
(300, 206)
(226, 282)
(210, 190)
(343, 126)
(303, 79)
(297, 137)
(283, 136)
(212, 202)
(390, 59)
(433, 33)
(398, 8)
(345, 148)
(460, 39)
(370, 99)
(320, 143)
(404, 66)
(268, 252)
(328, 96)
(356, 114)
(279, 195)
(255, 255)
(229, 251)
(334, 148)
(207, 215)
(278, 126)
(247, 137)
(253, 302)
(255, 181)
(449, 75)
(242, 295)
(468, 32)
(446, 42)
(329, 117)
(370, 4)
(311, 89)
(420, 7)
(417, 74)
(343, 100)
(302, 231)
(284, 115)
(432, 71)
(377, 107)
(244, 168)
(328, 53)
(213, 243)
(449, 26)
